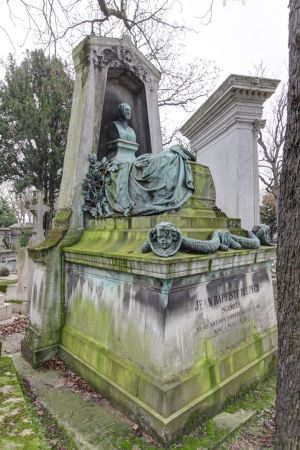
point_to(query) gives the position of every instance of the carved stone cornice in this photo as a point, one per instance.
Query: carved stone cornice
(250, 90)
(116, 53)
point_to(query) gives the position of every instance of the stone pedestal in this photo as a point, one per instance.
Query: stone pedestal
(166, 337)
(8, 286)
(123, 151)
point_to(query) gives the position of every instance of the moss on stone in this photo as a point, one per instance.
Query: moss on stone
(61, 221)
(18, 427)
(6, 282)
(62, 218)
(52, 239)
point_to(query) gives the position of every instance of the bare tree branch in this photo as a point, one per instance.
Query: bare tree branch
(152, 28)
(271, 141)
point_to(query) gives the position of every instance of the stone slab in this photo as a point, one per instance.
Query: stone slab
(11, 292)
(232, 421)
(5, 311)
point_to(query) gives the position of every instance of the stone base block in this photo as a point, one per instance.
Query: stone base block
(37, 357)
(164, 408)
(11, 292)
(123, 151)
(163, 348)
(19, 306)
(5, 311)
(2, 298)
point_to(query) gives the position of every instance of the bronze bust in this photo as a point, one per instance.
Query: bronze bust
(120, 129)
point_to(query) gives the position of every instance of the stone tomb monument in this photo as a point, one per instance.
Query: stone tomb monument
(144, 286)
(223, 133)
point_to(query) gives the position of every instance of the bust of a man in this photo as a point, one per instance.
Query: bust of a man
(120, 129)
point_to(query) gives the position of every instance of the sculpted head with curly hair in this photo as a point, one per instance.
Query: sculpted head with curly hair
(165, 239)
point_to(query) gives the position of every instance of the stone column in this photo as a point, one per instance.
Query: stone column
(223, 133)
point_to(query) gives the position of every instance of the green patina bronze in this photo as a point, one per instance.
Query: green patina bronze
(149, 184)
(120, 129)
(165, 240)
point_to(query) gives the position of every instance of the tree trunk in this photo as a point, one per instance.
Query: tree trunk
(288, 265)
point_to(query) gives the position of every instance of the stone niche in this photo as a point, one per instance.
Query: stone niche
(108, 71)
(161, 337)
(123, 86)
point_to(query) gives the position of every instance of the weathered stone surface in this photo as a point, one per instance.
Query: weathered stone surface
(5, 311)
(162, 337)
(223, 133)
(9, 259)
(232, 421)
(93, 425)
(166, 346)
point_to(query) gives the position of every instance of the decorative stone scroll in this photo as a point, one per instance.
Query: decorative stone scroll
(165, 240)
(121, 57)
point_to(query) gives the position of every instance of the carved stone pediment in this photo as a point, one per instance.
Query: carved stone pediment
(121, 58)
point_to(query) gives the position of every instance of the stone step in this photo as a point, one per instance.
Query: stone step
(125, 243)
(5, 311)
(19, 306)
(181, 222)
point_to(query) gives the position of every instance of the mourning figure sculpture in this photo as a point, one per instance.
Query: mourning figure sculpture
(165, 240)
(149, 184)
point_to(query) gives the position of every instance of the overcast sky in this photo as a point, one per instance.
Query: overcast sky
(241, 34)
(238, 36)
